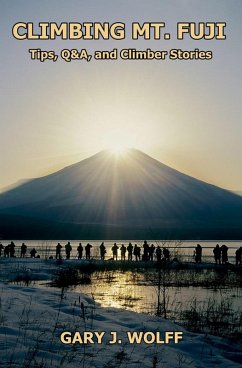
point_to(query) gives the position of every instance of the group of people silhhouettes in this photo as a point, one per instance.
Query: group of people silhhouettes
(68, 250)
(130, 252)
(147, 252)
(134, 252)
(9, 250)
(127, 253)
(220, 254)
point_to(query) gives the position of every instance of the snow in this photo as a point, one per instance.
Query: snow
(33, 317)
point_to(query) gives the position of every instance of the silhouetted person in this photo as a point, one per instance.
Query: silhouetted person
(80, 250)
(130, 251)
(166, 254)
(23, 250)
(224, 253)
(1, 249)
(11, 249)
(33, 253)
(58, 251)
(88, 250)
(6, 251)
(217, 254)
(115, 251)
(151, 252)
(123, 252)
(137, 252)
(146, 251)
(158, 253)
(238, 256)
(102, 251)
(198, 254)
(68, 249)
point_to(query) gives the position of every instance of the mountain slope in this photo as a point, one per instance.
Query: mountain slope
(133, 190)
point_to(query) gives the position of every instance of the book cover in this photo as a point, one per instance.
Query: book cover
(120, 185)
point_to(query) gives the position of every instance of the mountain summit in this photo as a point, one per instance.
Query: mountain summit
(127, 196)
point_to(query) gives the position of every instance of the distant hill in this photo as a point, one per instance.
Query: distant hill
(130, 196)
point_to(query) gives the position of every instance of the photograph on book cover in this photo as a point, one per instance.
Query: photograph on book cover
(121, 184)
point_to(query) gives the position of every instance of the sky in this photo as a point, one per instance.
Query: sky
(186, 114)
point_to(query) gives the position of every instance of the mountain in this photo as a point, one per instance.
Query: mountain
(238, 192)
(126, 196)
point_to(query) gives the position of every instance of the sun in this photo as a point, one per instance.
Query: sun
(118, 150)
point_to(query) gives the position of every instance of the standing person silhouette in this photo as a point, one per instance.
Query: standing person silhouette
(130, 251)
(6, 251)
(12, 249)
(146, 251)
(151, 252)
(217, 254)
(123, 252)
(115, 251)
(198, 254)
(224, 253)
(238, 256)
(68, 248)
(1, 248)
(23, 250)
(137, 252)
(58, 251)
(102, 251)
(80, 250)
(158, 253)
(166, 254)
(88, 250)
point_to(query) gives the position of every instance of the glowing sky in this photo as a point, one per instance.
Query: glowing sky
(185, 114)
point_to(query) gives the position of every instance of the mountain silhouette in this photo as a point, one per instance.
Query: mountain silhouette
(126, 196)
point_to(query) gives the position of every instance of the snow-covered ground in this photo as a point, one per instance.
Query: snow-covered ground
(32, 319)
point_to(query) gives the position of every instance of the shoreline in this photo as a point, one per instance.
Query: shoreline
(33, 318)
